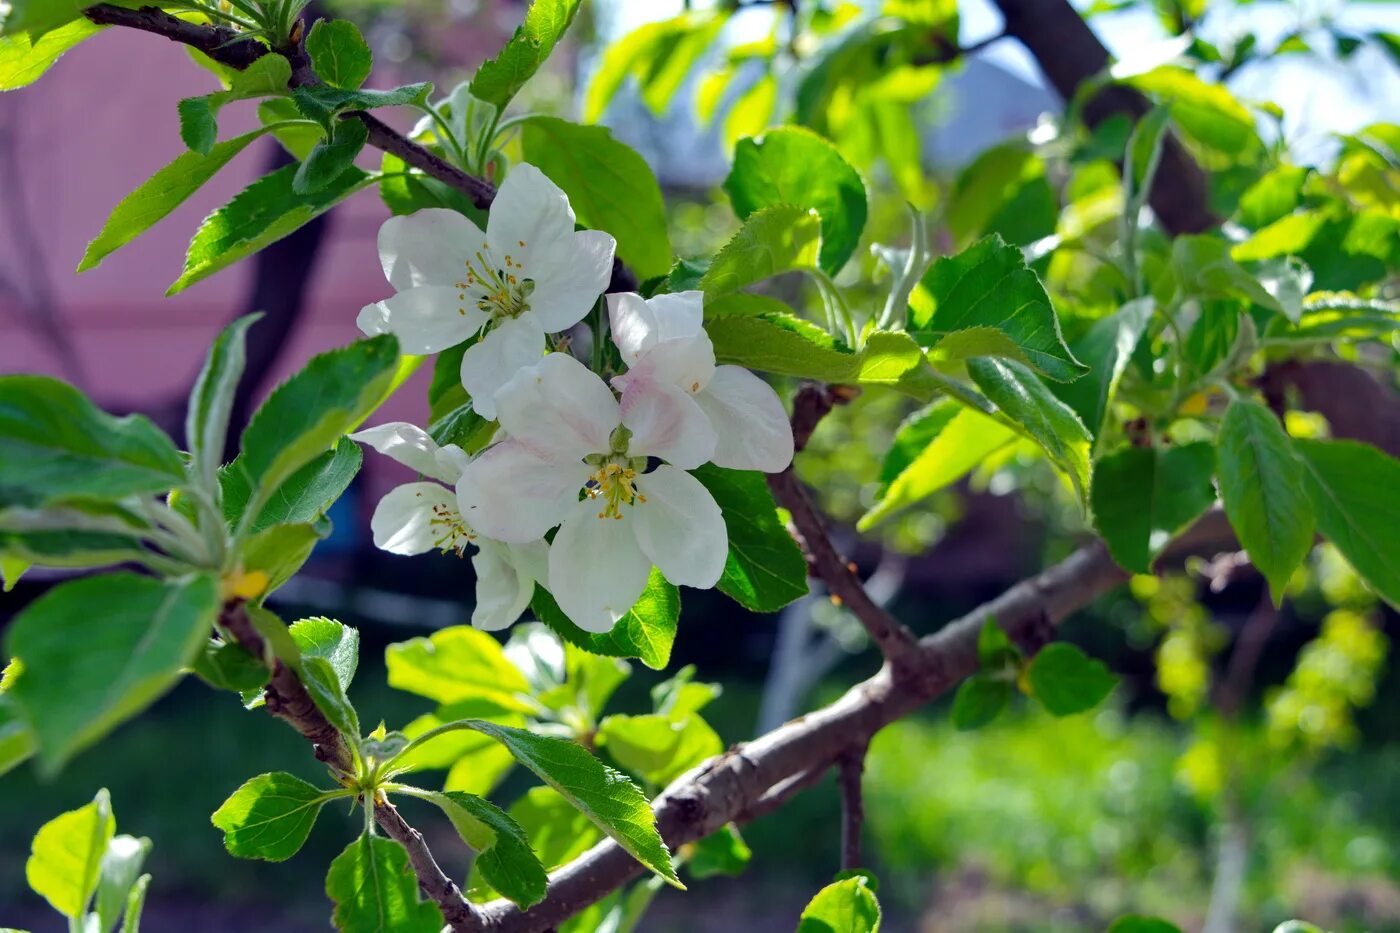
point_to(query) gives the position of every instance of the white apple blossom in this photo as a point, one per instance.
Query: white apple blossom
(530, 274)
(423, 516)
(662, 340)
(577, 458)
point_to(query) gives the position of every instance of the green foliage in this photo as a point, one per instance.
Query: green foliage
(978, 701)
(765, 570)
(1143, 496)
(211, 399)
(374, 890)
(793, 166)
(459, 664)
(1136, 924)
(302, 498)
(335, 643)
(845, 906)
(331, 157)
(270, 816)
(1352, 487)
(1004, 191)
(199, 127)
(25, 58)
(1105, 348)
(85, 673)
(777, 239)
(609, 185)
(323, 103)
(499, 79)
(1066, 681)
(65, 858)
(339, 54)
(659, 55)
(722, 852)
(646, 633)
(505, 858)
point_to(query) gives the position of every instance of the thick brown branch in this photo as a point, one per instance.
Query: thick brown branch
(849, 769)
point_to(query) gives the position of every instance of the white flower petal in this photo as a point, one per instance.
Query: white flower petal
(503, 587)
(685, 362)
(596, 569)
(558, 408)
(530, 215)
(532, 558)
(489, 363)
(665, 422)
(569, 275)
(639, 324)
(748, 417)
(511, 494)
(680, 527)
(428, 247)
(427, 319)
(451, 461)
(409, 445)
(403, 522)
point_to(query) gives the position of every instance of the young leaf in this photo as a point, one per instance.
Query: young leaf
(847, 906)
(339, 54)
(646, 632)
(500, 78)
(773, 240)
(279, 552)
(1353, 488)
(229, 666)
(331, 157)
(1143, 496)
(375, 890)
(765, 570)
(269, 817)
(607, 798)
(989, 286)
(323, 103)
(458, 664)
(1105, 349)
(121, 865)
(24, 58)
(722, 852)
(505, 858)
(211, 400)
(791, 165)
(978, 701)
(64, 537)
(65, 859)
(86, 672)
(55, 444)
(1067, 681)
(261, 214)
(1263, 486)
(658, 748)
(609, 185)
(303, 497)
(323, 683)
(199, 116)
(135, 903)
(326, 638)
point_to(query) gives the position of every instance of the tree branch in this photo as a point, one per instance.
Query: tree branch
(849, 768)
(287, 698)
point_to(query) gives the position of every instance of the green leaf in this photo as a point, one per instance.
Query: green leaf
(1204, 267)
(1263, 485)
(765, 569)
(229, 666)
(39, 17)
(311, 411)
(322, 681)
(24, 58)
(978, 701)
(259, 215)
(303, 497)
(1133, 923)
(280, 116)
(135, 903)
(794, 166)
(339, 54)
(121, 866)
(1142, 497)
(609, 185)
(506, 860)
(331, 157)
(1337, 316)
(846, 906)
(1040, 415)
(12, 568)
(375, 890)
(1353, 489)
(86, 672)
(659, 748)
(16, 738)
(270, 816)
(954, 440)
(279, 552)
(995, 651)
(337, 643)
(558, 833)
(1067, 681)
(323, 103)
(989, 285)
(500, 78)
(267, 76)
(722, 852)
(70, 537)
(606, 797)
(211, 400)
(1003, 191)
(55, 444)
(1206, 113)
(465, 428)
(456, 664)
(65, 859)
(775, 239)
(646, 632)
(1105, 348)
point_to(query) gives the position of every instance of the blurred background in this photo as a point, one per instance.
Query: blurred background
(1273, 779)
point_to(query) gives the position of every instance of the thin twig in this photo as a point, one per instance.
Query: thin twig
(849, 769)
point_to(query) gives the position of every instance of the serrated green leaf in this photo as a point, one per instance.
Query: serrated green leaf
(846, 906)
(24, 59)
(1353, 488)
(500, 78)
(794, 166)
(331, 157)
(269, 816)
(505, 858)
(65, 859)
(87, 672)
(375, 890)
(211, 400)
(646, 632)
(775, 239)
(1263, 485)
(558, 833)
(458, 664)
(339, 54)
(659, 748)
(259, 215)
(989, 285)
(609, 185)
(1067, 681)
(765, 569)
(322, 681)
(199, 116)
(229, 666)
(302, 498)
(323, 103)
(978, 701)
(337, 643)
(1105, 349)
(55, 444)
(1142, 497)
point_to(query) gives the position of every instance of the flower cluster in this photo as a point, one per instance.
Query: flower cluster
(604, 462)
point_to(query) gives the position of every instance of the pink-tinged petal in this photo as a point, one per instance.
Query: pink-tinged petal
(429, 247)
(596, 569)
(409, 445)
(416, 518)
(748, 417)
(427, 319)
(559, 408)
(665, 422)
(638, 324)
(680, 528)
(569, 275)
(530, 215)
(490, 363)
(503, 587)
(511, 494)
(688, 363)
